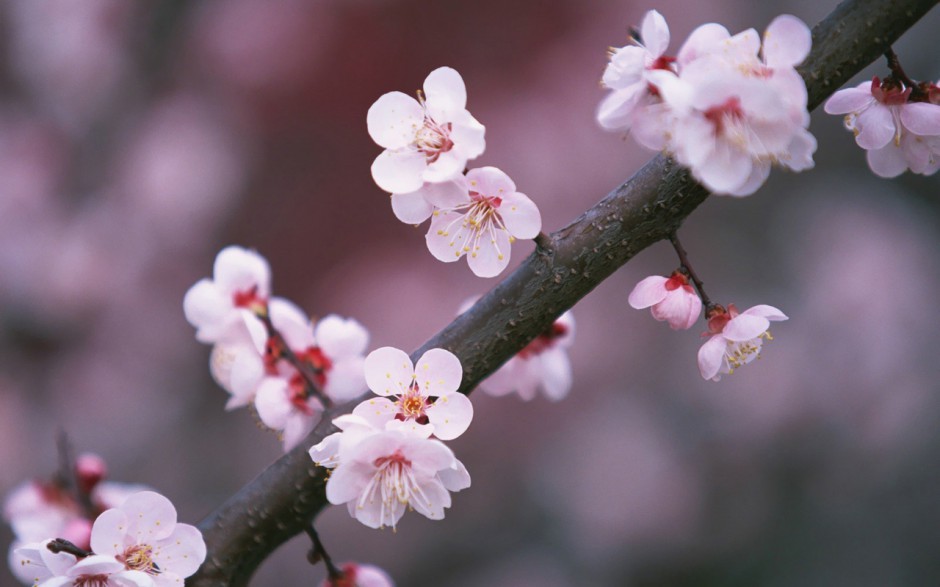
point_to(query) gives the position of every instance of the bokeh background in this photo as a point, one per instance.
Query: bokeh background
(138, 138)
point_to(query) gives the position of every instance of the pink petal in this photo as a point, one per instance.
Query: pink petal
(204, 303)
(411, 208)
(745, 327)
(182, 552)
(769, 312)
(787, 42)
(394, 119)
(389, 371)
(341, 337)
(109, 532)
(711, 355)
(680, 309)
(95, 564)
(468, 135)
(272, 403)
(887, 162)
(726, 169)
(759, 174)
(447, 166)
(451, 415)
(448, 194)
(850, 100)
(446, 235)
(432, 500)
(238, 269)
(438, 372)
(625, 68)
(345, 380)
(616, 109)
(150, 516)
(347, 481)
(427, 456)
(299, 425)
(649, 291)
(293, 324)
(376, 412)
(454, 478)
(655, 33)
(399, 172)
(556, 374)
(702, 41)
(503, 381)
(921, 118)
(520, 215)
(445, 94)
(491, 255)
(875, 127)
(800, 152)
(490, 181)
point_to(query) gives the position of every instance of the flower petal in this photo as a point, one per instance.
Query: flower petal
(412, 208)
(745, 327)
(921, 118)
(446, 235)
(182, 552)
(445, 94)
(769, 312)
(345, 380)
(649, 291)
(341, 337)
(238, 269)
(556, 373)
(711, 355)
(394, 119)
(490, 181)
(655, 33)
(447, 194)
(520, 215)
(400, 171)
(887, 162)
(787, 42)
(702, 41)
(438, 372)
(389, 371)
(109, 532)
(455, 478)
(490, 254)
(451, 415)
(616, 109)
(376, 411)
(875, 127)
(272, 403)
(468, 135)
(850, 100)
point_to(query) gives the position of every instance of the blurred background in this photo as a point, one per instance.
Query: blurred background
(139, 138)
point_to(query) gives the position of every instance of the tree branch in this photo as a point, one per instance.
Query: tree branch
(647, 208)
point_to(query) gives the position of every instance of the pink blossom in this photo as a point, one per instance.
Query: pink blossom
(360, 575)
(670, 299)
(390, 470)
(480, 216)
(143, 535)
(426, 397)
(897, 134)
(736, 338)
(542, 364)
(218, 307)
(425, 140)
(48, 569)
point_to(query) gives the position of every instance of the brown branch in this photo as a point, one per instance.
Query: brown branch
(647, 208)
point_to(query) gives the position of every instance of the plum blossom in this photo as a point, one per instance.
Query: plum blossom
(48, 569)
(726, 107)
(219, 307)
(736, 338)
(480, 216)
(897, 132)
(426, 400)
(542, 364)
(670, 299)
(142, 534)
(425, 140)
(633, 97)
(387, 471)
(360, 575)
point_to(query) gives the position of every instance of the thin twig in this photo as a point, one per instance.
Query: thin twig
(687, 267)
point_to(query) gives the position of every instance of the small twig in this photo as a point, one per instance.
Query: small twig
(67, 476)
(897, 72)
(58, 545)
(292, 358)
(687, 268)
(318, 553)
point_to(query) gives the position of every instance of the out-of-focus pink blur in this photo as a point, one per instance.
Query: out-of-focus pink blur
(139, 138)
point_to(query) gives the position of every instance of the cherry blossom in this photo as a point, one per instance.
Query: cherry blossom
(480, 216)
(426, 397)
(542, 364)
(142, 534)
(50, 569)
(425, 140)
(898, 134)
(736, 338)
(218, 307)
(360, 575)
(670, 299)
(388, 471)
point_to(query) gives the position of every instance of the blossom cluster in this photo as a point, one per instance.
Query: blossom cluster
(898, 125)
(427, 144)
(267, 353)
(734, 338)
(136, 543)
(389, 455)
(726, 107)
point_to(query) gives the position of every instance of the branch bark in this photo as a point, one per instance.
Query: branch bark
(645, 209)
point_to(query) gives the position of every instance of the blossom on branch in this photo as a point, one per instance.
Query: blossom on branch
(735, 339)
(897, 133)
(541, 364)
(670, 299)
(360, 575)
(480, 216)
(425, 140)
(50, 569)
(240, 286)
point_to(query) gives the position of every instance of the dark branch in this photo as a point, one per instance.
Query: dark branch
(647, 208)
(689, 271)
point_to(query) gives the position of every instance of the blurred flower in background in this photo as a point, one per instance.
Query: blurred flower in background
(139, 139)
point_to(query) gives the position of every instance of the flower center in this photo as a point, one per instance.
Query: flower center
(394, 485)
(91, 581)
(140, 558)
(432, 139)
(249, 299)
(742, 353)
(725, 115)
(412, 406)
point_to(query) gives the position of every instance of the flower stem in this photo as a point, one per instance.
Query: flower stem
(897, 73)
(67, 476)
(62, 545)
(686, 267)
(318, 553)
